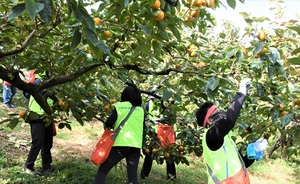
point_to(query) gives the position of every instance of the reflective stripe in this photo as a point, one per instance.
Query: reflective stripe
(226, 162)
(238, 176)
(212, 174)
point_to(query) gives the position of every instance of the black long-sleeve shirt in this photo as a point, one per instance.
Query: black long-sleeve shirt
(111, 119)
(215, 135)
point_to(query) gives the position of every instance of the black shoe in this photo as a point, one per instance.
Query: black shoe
(30, 171)
(9, 105)
(12, 105)
(143, 177)
(48, 171)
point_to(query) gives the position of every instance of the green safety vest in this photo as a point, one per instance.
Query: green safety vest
(225, 161)
(35, 107)
(131, 134)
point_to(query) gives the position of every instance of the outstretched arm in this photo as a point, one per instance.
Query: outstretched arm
(215, 135)
(220, 129)
(248, 162)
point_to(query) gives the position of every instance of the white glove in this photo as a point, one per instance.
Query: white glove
(245, 85)
(260, 145)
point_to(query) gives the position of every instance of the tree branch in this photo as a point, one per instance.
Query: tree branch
(18, 48)
(34, 89)
(54, 81)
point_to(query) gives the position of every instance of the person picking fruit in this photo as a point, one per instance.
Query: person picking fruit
(225, 164)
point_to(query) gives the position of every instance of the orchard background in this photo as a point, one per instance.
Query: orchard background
(169, 50)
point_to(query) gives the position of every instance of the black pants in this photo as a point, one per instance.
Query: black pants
(147, 165)
(41, 140)
(132, 156)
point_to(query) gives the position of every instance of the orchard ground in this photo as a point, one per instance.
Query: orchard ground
(72, 149)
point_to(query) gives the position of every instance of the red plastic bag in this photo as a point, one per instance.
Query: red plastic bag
(166, 134)
(102, 148)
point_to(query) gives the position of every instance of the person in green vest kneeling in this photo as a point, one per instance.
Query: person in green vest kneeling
(223, 161)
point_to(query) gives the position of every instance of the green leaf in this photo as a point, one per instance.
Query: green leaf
(76, 115)
(212, 83)
(167, 95)
(266, 98)
(258, 48)
(77, 14)
(262, 19)
(86, 18)
(271, 72)
(244, 14)
(91, 35)
(274, 56)
(13, 123)
(191, 84)
(47, 12)
(147, 48)
(239, 56)
(156, 47)
(103, 47)
(279, 100)
(231, 52)
(61, 125)
(249, 20)
(138, 49)
(33, 8)
(175, 32)
(16, 11)
(231, 3)
(286, 119)
(145, 29)
(70, 10)
(292, 150)
(68, 126)
(89, 114)
(31, 116)
(76, 38)
(124, 3)
(118, 10)
(296, 51)
(294, 61)
(198, 152)
(222, 35)
(295, 28)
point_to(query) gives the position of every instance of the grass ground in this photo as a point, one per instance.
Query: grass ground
(71, 151)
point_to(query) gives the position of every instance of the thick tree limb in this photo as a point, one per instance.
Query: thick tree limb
(34, 89)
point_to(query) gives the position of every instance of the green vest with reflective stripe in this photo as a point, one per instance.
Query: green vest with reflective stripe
(131, 134)
(35, 107)
(225, 161)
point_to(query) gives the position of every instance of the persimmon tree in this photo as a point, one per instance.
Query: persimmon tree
(176, 58)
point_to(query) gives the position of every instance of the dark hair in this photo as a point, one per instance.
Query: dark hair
(201, 112)
(133, 95)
